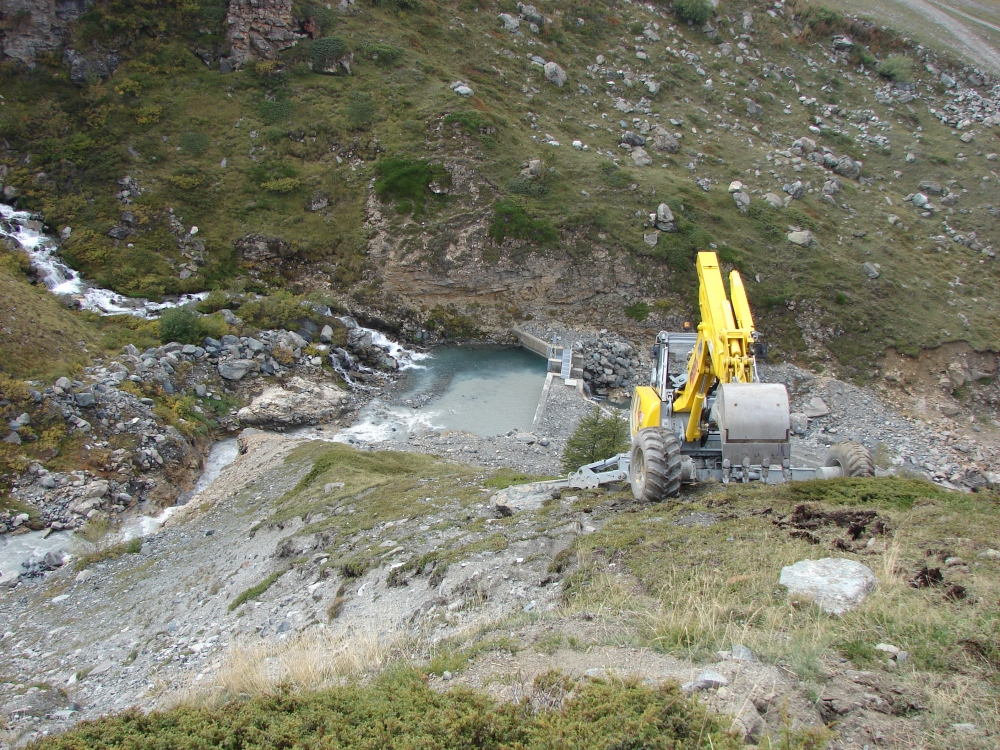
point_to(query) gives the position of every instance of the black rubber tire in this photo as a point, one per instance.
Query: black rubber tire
(853, 459)
(655, 465)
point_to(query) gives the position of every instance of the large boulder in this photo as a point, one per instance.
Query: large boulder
(640, 158)
(835, 584)
(298, 402)
(847, 167)
(802, 238)
(664, 141)
(555, 74)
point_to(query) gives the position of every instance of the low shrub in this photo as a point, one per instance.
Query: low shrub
(398, 710)
(282, 185)
(638, 312)
(327, 51)
(896, 68)
(511, 220)
(598, 436)
(402, 179)
(195, 144)
(185, 326)
(696, 12)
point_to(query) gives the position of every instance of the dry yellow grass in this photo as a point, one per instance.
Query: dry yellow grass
(311, 661)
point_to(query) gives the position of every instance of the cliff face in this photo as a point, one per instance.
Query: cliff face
(34, 27)
(259, 29)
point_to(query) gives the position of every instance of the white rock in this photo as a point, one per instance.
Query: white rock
(555, 74)
(803, 238)
(836, 585)
(299, 402)
(774, 200)
(641, 158)
(735, 186)
(464, 91)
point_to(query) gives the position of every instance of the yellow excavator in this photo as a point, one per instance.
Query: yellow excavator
(712, 418)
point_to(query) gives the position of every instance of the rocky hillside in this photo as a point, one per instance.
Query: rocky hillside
(465, 166)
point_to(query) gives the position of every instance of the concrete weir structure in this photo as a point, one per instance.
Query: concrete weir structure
(565, 369)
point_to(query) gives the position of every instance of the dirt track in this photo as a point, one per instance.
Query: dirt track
(953, 32)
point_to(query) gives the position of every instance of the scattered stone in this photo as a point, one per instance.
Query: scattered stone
(664, 141)
(742, 201)
(651, 238)
(707, 680)
(753, 108)
(816, 408)
(836, 585)
(796, 190)
(799, 423)
(872, 270)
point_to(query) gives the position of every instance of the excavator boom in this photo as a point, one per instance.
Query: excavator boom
(724, 350)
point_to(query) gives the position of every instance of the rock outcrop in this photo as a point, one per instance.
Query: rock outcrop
(297, 402)
(36, 27)
(259, 29)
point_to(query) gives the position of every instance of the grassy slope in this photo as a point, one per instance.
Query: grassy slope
(39, 337)
(692, 590)
(182, 120)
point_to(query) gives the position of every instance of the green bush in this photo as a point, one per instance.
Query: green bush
(694, 11)
(511, 220)
(638, 312)
(896, 68)
(179, 324)
(281, 310)
(187, 179)
(613, 176)
(525, 186)
(383, 54)
(326, 51)
(598, 436)
(185, 326)
(402, 179)
(399, 710)
(281, 185)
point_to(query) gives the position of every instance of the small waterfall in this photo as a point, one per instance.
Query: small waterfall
(25, 229)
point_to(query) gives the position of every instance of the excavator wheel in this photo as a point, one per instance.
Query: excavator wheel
(655, 465)
(852, 458)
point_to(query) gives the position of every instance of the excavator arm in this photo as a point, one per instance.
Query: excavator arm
(724, 350)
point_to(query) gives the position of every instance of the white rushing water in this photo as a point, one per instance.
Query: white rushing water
(26, 230)
(17, 549)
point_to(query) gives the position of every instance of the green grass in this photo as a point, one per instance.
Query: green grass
(398, 711)
(396, 121)
(691, 591)
(255, 591)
